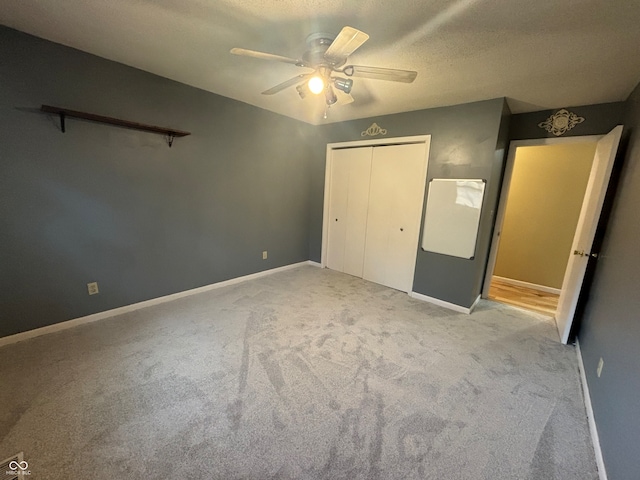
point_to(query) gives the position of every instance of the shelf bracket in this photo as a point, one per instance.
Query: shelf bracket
(170, 138)
(62, 126)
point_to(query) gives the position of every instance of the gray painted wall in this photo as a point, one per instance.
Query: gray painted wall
(598, 119)
(467, 141)
(611, 322)
(101, 203)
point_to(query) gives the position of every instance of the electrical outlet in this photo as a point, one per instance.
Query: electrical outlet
(264, 255)
(92, 288)
(600, 365)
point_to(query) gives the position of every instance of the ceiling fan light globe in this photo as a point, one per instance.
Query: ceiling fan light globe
(302, 90)
(343, 84)
(316, 85)
(330, 96)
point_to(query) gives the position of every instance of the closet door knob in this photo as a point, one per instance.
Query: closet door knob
(401, 229)
(336, 219)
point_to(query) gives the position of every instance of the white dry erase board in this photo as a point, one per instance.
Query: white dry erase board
(452, 216)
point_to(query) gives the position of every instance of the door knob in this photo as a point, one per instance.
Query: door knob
(401, 229)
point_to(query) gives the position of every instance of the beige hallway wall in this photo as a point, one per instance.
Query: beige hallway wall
(545, 197)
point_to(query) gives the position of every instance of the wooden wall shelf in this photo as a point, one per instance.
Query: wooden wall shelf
(171, 133)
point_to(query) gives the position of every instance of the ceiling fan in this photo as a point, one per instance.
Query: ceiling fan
(327, 55)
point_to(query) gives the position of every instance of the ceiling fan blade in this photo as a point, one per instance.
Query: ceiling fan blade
(377, 73)
(265, 56)
(348, 41)
(343, 98)
(289, 83)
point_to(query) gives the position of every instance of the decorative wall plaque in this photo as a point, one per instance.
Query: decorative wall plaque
(561, 122)
(374, 130)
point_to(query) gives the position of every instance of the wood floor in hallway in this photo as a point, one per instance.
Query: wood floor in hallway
(542, 302)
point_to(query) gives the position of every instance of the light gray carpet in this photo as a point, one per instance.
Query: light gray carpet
(305, 374)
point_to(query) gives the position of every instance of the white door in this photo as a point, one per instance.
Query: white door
(348, 204)
(586, 229)
(398, 176)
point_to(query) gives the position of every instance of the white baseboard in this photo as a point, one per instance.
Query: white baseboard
(56, 327)
(442, 303)
(533, 286)
(602, 472)
(314, 264)
(475, 304)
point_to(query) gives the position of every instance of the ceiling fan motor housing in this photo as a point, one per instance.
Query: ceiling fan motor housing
(317, 45)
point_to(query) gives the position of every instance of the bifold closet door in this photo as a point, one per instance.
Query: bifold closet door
(348, 205)
(398, 176)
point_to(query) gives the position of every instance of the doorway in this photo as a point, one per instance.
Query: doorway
(550, 203)
(546, 191)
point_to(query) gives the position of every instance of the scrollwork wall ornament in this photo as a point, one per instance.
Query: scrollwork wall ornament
(561, 122)
(374, 130)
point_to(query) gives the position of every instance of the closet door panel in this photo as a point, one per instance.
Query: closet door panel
(338, 197)
(357, 208)
(407, 211)
(396, 197)
(348, 204)
(377, 239)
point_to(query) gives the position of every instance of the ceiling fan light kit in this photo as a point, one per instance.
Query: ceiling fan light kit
(326, 55)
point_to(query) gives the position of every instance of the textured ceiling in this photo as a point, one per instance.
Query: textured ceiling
(539, 54)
